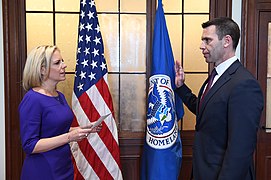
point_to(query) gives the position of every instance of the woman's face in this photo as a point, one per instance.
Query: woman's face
(57, 68)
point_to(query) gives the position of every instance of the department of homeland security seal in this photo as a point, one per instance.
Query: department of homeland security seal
(162, 127)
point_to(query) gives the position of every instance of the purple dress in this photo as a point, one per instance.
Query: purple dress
(43, 116)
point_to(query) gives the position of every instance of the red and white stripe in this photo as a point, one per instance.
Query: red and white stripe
(96, 157)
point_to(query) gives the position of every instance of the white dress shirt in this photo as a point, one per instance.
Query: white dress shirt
(221, 68)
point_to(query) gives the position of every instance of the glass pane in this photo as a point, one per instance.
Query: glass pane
(133, 6)
(133, 102)
(113, 83)
(196, 6)
(39, 30)
(268, 90)
(110, 34)
(66, 87)
(133, 43)
(106, 5)
(194, 81)
(39, 5)
(174, 25)
(193, 58)
(67, 5)
(189, 120)
(172, 6)
(66, 38)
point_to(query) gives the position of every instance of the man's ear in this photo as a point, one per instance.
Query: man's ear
(227, 41)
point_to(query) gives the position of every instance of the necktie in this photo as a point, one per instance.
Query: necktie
(209, 84)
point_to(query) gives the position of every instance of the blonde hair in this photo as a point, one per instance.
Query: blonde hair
(38, 58)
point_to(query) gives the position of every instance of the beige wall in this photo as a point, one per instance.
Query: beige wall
(2, 105)
(236, 15)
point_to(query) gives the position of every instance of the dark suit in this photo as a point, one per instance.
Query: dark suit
(226, 125)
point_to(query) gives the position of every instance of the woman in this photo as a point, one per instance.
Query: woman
(45, 118)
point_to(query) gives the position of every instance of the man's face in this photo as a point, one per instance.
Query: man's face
(211, 47)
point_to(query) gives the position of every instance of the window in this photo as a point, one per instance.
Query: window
(125, 35)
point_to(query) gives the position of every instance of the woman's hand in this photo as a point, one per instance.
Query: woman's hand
(94, 129)
(79, 133)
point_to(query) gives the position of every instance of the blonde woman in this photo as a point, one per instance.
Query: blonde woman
(45, 118)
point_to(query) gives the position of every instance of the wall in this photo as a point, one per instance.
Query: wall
(236, 7)
(2, 104)
(236, 15)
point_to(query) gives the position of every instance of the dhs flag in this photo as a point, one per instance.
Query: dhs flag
(162, 153)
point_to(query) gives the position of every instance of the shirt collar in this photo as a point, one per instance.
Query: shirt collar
(221, 68)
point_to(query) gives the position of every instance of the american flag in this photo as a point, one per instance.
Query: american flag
(95, 157)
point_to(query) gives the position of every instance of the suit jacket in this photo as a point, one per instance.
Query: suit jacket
(226, 125)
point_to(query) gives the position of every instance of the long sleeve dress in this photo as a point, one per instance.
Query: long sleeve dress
(43, 116)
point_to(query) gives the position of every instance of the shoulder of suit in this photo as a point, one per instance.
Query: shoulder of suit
(234, 66)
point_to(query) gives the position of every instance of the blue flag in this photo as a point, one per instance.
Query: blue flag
(162, 154)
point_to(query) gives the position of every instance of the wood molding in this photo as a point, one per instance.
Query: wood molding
(220, 8)
(14, 58)
(248, 30)
(255, 19)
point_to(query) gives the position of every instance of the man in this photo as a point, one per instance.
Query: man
(228, 115)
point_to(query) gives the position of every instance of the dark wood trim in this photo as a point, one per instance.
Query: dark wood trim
(219, 8)
(14, 58)
(256, 15)
(248, 31)
(130, 156)
(263, 145)
(187, 138)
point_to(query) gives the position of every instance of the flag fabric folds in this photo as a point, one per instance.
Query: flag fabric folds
(162, 153)
(95, 157)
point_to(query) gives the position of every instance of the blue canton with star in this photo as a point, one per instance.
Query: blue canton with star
(90, 62)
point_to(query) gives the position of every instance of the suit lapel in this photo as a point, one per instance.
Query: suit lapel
(223, 79)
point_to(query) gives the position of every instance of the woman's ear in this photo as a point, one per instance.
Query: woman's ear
(43, 70)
